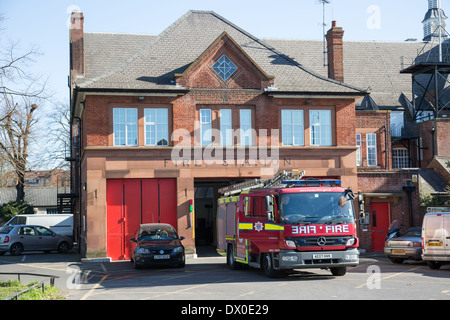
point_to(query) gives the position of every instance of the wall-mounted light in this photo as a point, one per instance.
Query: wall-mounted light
(141, 98)
(84, 186)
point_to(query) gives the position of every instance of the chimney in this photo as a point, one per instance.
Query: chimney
(76, 43)
(335, 48)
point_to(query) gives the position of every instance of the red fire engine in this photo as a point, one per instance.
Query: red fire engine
(287, 223)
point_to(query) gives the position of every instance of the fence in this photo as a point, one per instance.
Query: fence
(40, 283)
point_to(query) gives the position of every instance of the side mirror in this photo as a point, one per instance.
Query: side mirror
(133, 240)
(269, 207)
(182, 238)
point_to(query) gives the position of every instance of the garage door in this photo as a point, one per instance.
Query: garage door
(131, 202)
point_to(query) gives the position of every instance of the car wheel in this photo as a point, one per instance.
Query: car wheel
(396, 260)
(63, 247)
(135, 265)
(16, 249)
(434, 264)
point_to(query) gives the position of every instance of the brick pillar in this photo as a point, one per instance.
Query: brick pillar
(335, 48)
(76, 43)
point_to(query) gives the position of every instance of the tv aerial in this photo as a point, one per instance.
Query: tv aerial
(324, 2)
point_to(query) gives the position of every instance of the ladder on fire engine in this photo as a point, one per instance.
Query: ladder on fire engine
(282, 178)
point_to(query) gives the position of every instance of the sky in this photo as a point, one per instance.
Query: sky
(44, 23)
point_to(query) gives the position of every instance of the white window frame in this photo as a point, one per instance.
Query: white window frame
(371, 149)
(158, 127)
(129, 124)
(289, 127)
(400, 160)
(358, 150)
(205, 116)
(226, 127)
(320, 132)
(246, 127)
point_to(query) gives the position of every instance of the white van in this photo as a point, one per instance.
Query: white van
(59, 223)
(436, 237)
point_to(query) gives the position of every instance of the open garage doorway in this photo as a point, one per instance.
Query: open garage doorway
(206, 195)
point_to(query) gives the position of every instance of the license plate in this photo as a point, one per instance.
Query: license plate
(398, 251)
(322, 256)
(162, 256)
(434, 244)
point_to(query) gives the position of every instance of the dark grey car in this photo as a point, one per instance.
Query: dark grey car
(19, 238)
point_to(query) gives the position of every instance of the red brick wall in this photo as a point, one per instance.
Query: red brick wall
(389, 183)
(375, 122)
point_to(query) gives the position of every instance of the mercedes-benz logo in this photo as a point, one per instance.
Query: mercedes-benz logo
(161, 251)
(321, 241)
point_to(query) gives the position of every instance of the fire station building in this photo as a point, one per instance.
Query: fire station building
(161, 122)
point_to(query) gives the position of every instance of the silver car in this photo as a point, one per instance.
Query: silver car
(19, 238)
(406, 246)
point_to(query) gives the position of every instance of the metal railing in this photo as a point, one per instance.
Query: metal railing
(40, 283)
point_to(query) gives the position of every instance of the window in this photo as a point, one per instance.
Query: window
(258, 207)
(371, 149)
(205, 127)
(292, 127)
(125, 126)
(397, 123)
(224, 67)
(246, 127)
(156, 122)
(400, 158)
(358, 150)
(320, 124)
(226, 129)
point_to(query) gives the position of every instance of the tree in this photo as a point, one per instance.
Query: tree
(15, 128)
(20, 91)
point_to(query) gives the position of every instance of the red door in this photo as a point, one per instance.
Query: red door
(379, 212)
(131, 202)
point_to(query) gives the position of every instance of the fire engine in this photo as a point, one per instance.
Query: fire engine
(288, 222)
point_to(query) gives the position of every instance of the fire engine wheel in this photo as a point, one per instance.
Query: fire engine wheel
(230, 259)
(338, 271)
(267, 266)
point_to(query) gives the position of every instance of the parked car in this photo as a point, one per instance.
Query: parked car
(19, 238)
(156, 244)
(58, 223)
(406, 246)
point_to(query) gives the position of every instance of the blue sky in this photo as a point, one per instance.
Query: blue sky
(44, 23)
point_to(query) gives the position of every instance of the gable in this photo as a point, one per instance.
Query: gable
(224, 65)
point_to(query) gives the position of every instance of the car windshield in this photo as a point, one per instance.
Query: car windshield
(6, 229)
(316, 208)
(154, 233)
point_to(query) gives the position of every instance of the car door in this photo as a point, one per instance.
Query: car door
(46, 239)
(28, 237)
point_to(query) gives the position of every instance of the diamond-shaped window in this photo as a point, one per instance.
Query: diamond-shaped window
(224, 67)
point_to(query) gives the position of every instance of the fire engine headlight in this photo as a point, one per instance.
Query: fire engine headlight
(351, 241)
(290, 243)
(289, 258)
(351, 257)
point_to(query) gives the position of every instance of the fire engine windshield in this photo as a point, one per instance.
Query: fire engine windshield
(316, 208)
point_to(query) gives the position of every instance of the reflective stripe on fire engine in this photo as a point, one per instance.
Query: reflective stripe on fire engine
(245, 226)
(273, 227)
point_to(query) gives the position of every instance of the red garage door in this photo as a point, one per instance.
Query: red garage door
(131, 202)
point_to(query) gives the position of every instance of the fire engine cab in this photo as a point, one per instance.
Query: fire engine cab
(287, 223)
